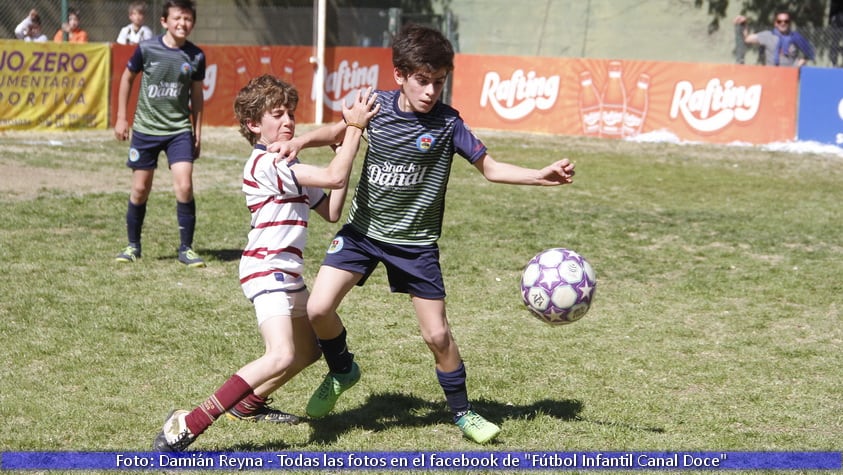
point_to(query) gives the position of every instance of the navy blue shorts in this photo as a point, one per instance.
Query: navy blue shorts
(411, 270)
(145, 149)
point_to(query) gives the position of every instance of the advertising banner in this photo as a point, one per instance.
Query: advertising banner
(229, 68)
(820, 115)
(351, 69)
(52, 86)
(616, 99)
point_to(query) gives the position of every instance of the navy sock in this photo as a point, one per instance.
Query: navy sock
(456, 394)
(135, 215)
(336, 354)
(186, 215)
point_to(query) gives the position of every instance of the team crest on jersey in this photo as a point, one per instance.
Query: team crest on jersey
(336, 245)
(134, 155)
(424, 142)
(185, 68)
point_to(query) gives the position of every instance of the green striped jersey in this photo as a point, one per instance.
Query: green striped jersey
(400, 198)
(164, 95)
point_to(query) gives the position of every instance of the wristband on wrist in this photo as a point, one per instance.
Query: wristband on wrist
(355, 124)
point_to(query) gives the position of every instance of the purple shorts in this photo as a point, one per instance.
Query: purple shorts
(145, 149)
(411, 270)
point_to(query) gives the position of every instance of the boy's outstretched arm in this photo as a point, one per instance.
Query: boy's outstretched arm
(336, 175)
(330, 134)
(560, 172)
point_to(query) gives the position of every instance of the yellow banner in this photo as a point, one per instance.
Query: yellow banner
(51, 86)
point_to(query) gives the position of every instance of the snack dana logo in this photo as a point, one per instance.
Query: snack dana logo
(342, 85)
(519, 95)
(716, 106)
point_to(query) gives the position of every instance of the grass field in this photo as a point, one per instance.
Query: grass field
(716, 325)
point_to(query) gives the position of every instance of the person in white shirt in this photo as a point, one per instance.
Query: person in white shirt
(136, 31)
(30, 28)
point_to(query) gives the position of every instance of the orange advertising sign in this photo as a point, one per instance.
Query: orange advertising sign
(229, 68)
(617, 99)
(351, 69)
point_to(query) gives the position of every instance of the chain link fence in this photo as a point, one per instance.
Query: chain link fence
(226, 22)
(276, 22)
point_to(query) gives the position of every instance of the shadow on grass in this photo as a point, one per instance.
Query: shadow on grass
(223, 255)
(386, 410)
(382, 411)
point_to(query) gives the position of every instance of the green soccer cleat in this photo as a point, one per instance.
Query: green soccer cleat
(476, 428)
(189, 258)
(264, 413)
(326, 395)
(130, 254)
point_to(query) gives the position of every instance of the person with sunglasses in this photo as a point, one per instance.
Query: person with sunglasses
(780, 45)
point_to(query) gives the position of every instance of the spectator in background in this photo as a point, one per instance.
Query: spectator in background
(781, 46)
(30, 28)
(75, 34)
(136, 31)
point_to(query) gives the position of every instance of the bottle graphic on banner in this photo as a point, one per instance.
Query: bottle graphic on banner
(614, 102)
(288, 70)
(242, 72)
(266, 61)
(636, 107)
(590, 105)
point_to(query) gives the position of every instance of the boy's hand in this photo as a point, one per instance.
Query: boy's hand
(287, 150)
(361, 111)
(121, 129)
(559, 172)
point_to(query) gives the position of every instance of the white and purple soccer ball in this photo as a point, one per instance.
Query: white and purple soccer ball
(558, 286)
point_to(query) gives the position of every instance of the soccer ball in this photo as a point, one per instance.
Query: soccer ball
(558, 286)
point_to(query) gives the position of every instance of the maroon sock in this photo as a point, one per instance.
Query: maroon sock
(203, 415)
(249, 404)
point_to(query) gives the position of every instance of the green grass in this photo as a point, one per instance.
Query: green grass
(716, 325)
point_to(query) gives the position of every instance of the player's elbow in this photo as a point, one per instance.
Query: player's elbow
(336, 182)
(335, 179)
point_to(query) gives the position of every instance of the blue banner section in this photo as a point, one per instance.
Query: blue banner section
(820, 112)
(452, 461)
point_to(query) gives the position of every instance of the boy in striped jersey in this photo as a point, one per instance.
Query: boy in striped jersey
(395, 218)
(168, 118)
(279, 194)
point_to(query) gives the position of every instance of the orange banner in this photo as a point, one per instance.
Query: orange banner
(616, 99)
(228, 68)
(49, 86)
(349, 70)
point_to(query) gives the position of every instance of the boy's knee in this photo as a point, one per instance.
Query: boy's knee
(318, 313)
(281, 360)
(439, 341)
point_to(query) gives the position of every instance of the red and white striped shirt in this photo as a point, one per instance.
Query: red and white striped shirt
(272, 259)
